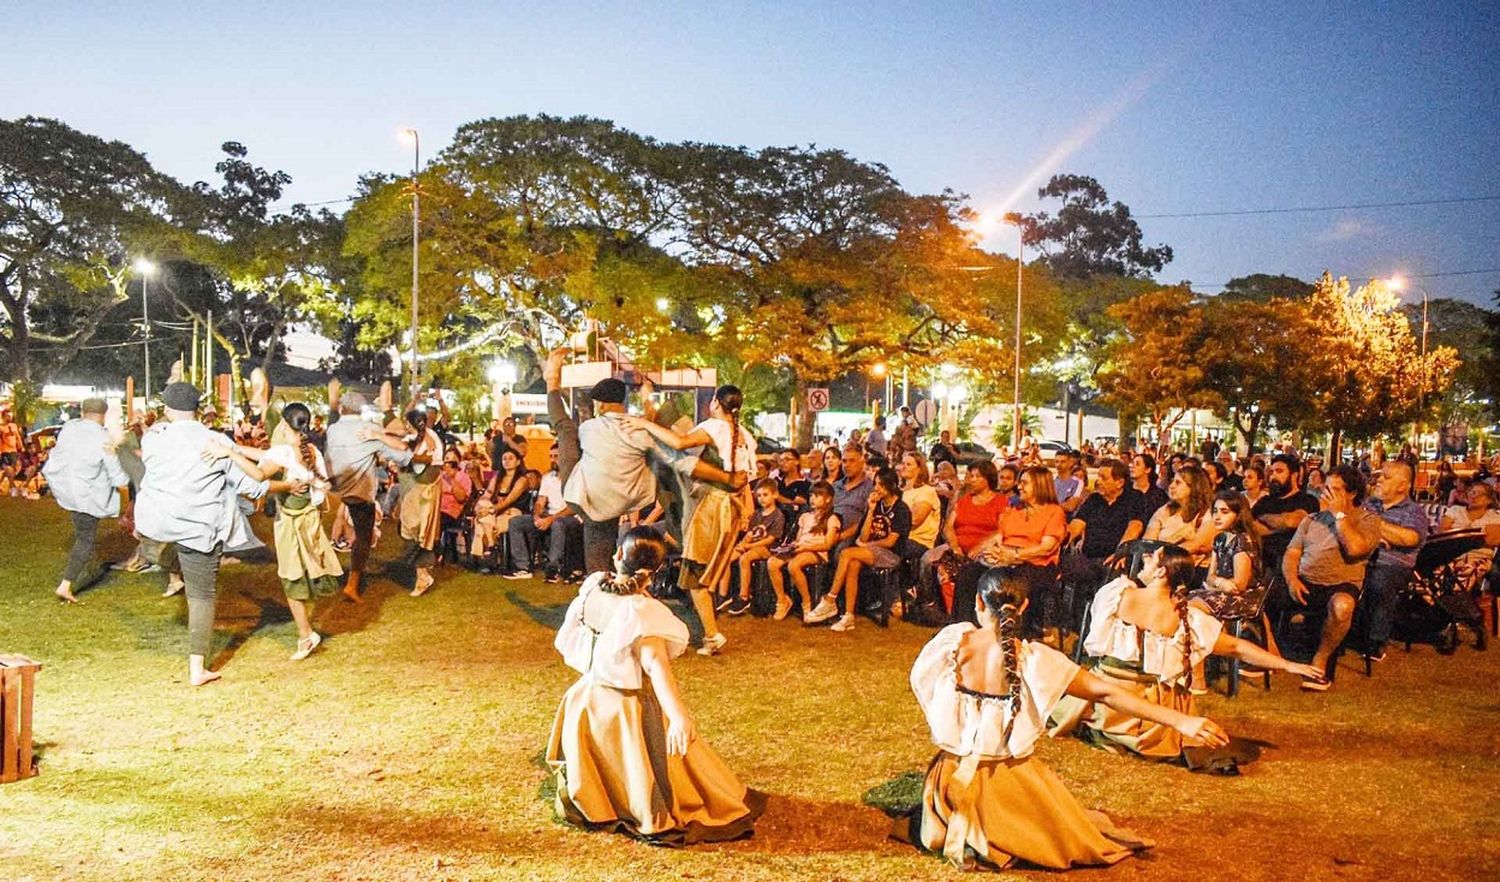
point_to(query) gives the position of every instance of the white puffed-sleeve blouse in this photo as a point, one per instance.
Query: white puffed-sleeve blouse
(606, 646)
(1156, 654)
(965, 722)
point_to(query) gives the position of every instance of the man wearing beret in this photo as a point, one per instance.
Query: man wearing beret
(191, 501)
(88, 483)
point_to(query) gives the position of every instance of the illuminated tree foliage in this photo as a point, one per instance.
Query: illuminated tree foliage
(1368, 372)
(1155, 369)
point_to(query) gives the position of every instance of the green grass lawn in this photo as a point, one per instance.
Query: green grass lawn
(405, 748)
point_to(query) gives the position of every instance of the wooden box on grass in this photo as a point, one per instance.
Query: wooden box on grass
(17, 683)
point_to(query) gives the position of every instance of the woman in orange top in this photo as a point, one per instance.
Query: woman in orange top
(1032, 535)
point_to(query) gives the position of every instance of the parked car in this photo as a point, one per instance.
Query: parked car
(970, 452)
(1050, 449)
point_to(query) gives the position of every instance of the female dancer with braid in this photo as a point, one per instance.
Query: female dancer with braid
(624, 749)
(708, 538)
(986, 801)
(1146, 639)
(305, 558)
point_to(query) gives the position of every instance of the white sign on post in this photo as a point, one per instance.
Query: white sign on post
(817, 400)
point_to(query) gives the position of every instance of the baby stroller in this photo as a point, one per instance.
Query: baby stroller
(1439, 599)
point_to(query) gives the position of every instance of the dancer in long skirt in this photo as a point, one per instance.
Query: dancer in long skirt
(986, 801)
(1146, 639)
(356, 453)
(708, 538)
(624, 749)
(305, 560)
(88, 483)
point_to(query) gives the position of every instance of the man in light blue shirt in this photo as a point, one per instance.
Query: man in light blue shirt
(88, 483)
(190, 501)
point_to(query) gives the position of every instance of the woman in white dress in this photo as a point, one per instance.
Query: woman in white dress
(1146, 639)
(624, 750)
(708, 537)
(986, 800)
(306, 562)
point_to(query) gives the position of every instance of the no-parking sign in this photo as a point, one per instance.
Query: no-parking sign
(817, 400)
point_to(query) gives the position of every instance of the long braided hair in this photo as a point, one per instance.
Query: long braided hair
(640, 556)
(1177, 568)
(731, 400)
(298, 418)
(1004, 592)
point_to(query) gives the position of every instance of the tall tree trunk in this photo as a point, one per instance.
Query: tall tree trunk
(1335, 447)
(18, 347)
(805, 418)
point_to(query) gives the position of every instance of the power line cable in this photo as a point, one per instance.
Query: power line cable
(1308, 208)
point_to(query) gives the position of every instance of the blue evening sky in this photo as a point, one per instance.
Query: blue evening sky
(1173, 107)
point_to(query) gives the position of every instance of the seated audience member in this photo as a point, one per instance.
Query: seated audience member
(943, 450)
(766, 527)
(1278, 513)
(925, 505)
(1143, 481)
(817, 533)
(973, 526)
(1031, 538)
(1403, 529)
(792, 485)
(1253, 483)
(454, 502)
(886, 525)
(1007, 481)
(507, 496)
(1185, 520)
(1069, 488)
(1324, 565)
(1233, 479)
(1111, 516)
(551, 516)
(1476, 513)
(851, 496)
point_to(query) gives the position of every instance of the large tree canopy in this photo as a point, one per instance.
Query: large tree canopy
(1090, 235)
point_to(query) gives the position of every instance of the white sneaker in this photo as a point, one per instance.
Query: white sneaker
(305, 647)
(783, 607)
(826, 609)
(845, 623)
(713, 645)
(518, 574)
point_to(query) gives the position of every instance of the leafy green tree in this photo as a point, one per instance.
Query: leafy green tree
(1368, 373)
(1155, 369)
(1261, 287)
(73, 207)
(530, 226)
(1090, 235)
(1256, 363)
(1464, 328)
(823, 264)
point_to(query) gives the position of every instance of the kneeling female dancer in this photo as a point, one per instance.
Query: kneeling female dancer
(986, 801)
(1146, 639)
(624, 749)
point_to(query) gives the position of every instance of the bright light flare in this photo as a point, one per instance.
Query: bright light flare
(1396, 283)
(408, 135)
(878, 369)
(663, 304)
(503, 373)
(144, 267)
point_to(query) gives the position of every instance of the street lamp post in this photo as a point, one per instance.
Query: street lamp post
(416, 211)
(146, 269)
(1014, 219)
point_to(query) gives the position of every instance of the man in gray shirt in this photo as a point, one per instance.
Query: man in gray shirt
(192, 502)
(88, 483)
(355, 460)
(1325, 563)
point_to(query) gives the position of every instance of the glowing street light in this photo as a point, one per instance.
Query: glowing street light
(503, 373)
(663, 305)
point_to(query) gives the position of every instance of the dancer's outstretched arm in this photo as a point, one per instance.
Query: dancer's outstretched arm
(1200, 730)
(1251, 654)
